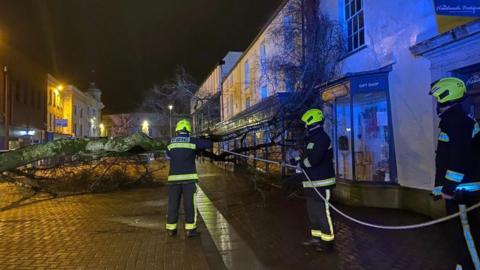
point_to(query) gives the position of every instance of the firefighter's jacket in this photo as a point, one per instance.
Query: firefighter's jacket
(317, 160)
(455, 158)
(182, 151)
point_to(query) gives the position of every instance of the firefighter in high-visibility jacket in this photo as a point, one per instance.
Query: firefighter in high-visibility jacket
(183, 177)
(317, 161)
(456, 161)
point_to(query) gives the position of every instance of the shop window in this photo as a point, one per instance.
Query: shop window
(361, 132)
(355, 24)
(343, 140)
(371, 132)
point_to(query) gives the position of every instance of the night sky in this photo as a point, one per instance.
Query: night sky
(131, 44)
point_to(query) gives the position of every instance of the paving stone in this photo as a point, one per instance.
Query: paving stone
(120, 230)
(274, 226)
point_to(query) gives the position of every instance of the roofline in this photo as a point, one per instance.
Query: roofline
(262, 31)
(215, 67)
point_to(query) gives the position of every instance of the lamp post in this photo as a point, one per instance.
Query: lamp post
(170, 108)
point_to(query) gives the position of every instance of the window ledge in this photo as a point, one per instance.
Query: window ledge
(354, 52)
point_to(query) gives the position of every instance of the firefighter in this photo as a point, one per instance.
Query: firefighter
(456, 162)
(183, 178)
(317, 161)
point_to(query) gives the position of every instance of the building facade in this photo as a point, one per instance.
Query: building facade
(381, 119)
(208, 100)
(22, 100)
(72, 113)
(57, 124)
(84, 110)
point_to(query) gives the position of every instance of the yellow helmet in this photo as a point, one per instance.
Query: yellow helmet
(448, 90)
(313, 116)
(184, 125)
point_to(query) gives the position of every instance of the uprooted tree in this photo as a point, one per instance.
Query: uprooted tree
(88, 161)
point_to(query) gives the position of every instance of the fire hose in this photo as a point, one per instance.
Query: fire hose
(462, 213)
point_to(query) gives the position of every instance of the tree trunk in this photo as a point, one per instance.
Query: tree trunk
(138, 142)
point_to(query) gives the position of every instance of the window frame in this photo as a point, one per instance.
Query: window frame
(246, 71)
(351, 30)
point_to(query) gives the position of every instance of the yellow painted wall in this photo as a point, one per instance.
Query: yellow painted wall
(55, 105)
(447, 23)
(234, 87)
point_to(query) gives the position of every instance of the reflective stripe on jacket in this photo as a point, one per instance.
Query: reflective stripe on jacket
(318, 159)
(182, 151)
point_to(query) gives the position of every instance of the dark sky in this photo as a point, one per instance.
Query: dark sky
(131, 44)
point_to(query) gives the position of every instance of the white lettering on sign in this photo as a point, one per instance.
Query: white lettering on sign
(368, 85)
(449, 8)
(474, 79)
(458, 8)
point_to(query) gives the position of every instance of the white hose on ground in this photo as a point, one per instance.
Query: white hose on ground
(404, 227)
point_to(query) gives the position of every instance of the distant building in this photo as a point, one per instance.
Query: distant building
(153, 124)
(57, 124)
(83, 109)
(25, 105)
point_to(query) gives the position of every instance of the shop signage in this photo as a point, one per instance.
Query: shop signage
(473, 80)
(465, 8)
(61, 122)
(370, 83)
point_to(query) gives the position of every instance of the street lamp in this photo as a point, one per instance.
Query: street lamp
(146, 127)
(170, 108)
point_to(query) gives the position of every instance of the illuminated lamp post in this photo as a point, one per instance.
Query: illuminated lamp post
(170, 108)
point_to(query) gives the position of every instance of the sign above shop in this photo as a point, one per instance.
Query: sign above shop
(61, 122)
(464, 8)
(369, 83)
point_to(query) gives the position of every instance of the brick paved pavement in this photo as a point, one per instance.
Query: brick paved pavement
(120, 230)
(124, 230)
(273, 227)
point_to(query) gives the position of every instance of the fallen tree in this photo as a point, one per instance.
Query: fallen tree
(83, 148)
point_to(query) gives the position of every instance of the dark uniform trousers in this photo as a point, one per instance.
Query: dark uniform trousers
(459, 246)
(175, 193)
(321, 222)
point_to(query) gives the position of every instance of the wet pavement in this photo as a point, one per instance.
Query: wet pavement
(243, 228)
(119, 230)
(273, 227)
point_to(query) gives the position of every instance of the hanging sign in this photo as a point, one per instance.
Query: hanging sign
(463, 8)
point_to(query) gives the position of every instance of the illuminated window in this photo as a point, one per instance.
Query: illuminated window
(263, 58)
(264, 92)
(355, 24)
(247, 74)
(288, 35)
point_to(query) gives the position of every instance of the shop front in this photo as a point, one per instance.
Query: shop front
(359, 122)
